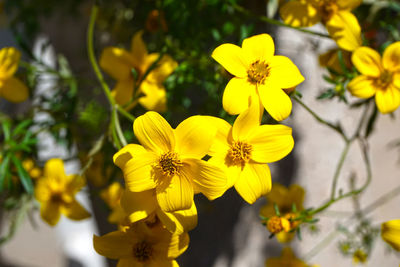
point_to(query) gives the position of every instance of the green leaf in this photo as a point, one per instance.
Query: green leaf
(371, 122)
(21, 127)
(23, 175)
(6, 125)
(277, 210)
(4, 171)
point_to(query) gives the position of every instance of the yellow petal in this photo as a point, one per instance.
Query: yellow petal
(165, 66)
(42, 191)
(114, 245)
(348, 4)
(154, 132)
(284, 237)
(13, 90)
(161, 263)
(177, 245)
(75, 211)
(208, 178)
(254, 182)
(299, 14)
(178, 222)
(343, 27)
(123, 91)
(283, 73)
(9, 60)
(138, 48)
(271, 143)
(276, 102)
(138, 205)
(129, 262)
(367, 61)
(117, 62)
(138, 173)
(362, 86)
(54, 167)
(175, 195)
(155, 97)
(390, 232)
(388, 100)
(50, 212)
(126, 153)
(220, 143)
(258, 47)
(247, 121)
(391, 57)
(236, 97)
(232, 171)
(194, 137)
(74, 183)
(232, 58)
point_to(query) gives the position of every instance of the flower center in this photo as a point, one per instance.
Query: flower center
(327, 9)
(142, 251)
(277, 224)
(169, 163)
(385, 79)
(240, 152)
(57, 198)
(258, 72)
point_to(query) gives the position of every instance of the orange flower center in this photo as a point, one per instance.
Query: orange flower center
(142, 251)
(384, 80)
(240, 152)
(57, 198)
(169, 163)
(277, 224)
(327, 9)
(258, 72)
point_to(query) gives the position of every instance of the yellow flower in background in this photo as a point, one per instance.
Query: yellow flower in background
(287, 258)
(169, 161)
(30, 167)
(380, 76)
(244, 149)
(99, 171)
(112, 195)
(141, 246)
(330, 60)
(336, 15)
(390, 232)
(56, 191)
(258, 74)
(119, 63)
(11, 88)
(360, 256)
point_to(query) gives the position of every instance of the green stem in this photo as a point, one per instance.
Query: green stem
(117, 125)
(125, 113)
(339, 168)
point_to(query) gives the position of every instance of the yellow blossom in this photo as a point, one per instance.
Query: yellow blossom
(11, 88)
(336, 15)
(258, 74)
(142, 245)
(112, 196)
(30, 167)
(56, 191)
(380, 76)
(287, 258)
(330, 60)
(98, 172)
(390, 232)
(359, 256)
(119, 64)
(169, 161)
(244, 149)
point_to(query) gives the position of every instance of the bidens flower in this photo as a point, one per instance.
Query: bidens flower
(379, 76)
(258, 74)
(170, 161)
(336, 15)
(390, 232)
(11, 88)
(56, 191)
(287, 258)
(120, 64)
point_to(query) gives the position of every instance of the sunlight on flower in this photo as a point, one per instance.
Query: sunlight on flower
(390, 232)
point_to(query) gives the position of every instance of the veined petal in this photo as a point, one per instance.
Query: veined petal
(258, 47)
(194, 137)
(126, 153)
(114, 245)
(348, 4)
(154, 132)
(343, 27)
(388, 100)
(50, 212)
(271, 143)
(138, 48)
(362, 86)
(367, 61)
(138, 173)
(13, 90)
(390, 232)
(299, 14)
(117, 62)
(236, 97)
(254, 182)
(232, 171)
(123, 91)
(220, 143)
(138, 205)
(75, 211)
(208, 178)
(275, 101)
(9, 60)
(178, 222)
(54, 168)
(155, 97)
(391, 57)
(232, 58)
(283, 73)
(247, 121)
(175, 195)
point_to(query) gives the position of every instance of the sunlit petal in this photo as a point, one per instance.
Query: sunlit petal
(138, 205)
(362, 86)
(283, 73)
(232, 58)
(175, 195)
(276, 102)
(114, 245)
(258, 47)
(117, 62)
(391, 57)
(299, 14)
(236, 97)
(387, 100)
(14, 90)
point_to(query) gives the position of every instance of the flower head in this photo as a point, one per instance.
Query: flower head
(56, 191)
(380, 76)
(258, 74)
(390, 232)
(11, 88)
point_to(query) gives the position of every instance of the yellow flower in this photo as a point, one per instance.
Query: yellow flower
(245, 148)
(112, 195)
(142, 246)
(287, 258)
(359, 256)
(170, 161)
(30, 167)
(56, 191)
(99, 171)
(330, 60)
(11, 88)
(336, 15)
(119, 63)
(258, 74)
(379, 76)
(390, 232)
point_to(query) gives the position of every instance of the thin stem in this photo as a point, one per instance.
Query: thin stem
(117, 125)
(339, 168)
(125, 113)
